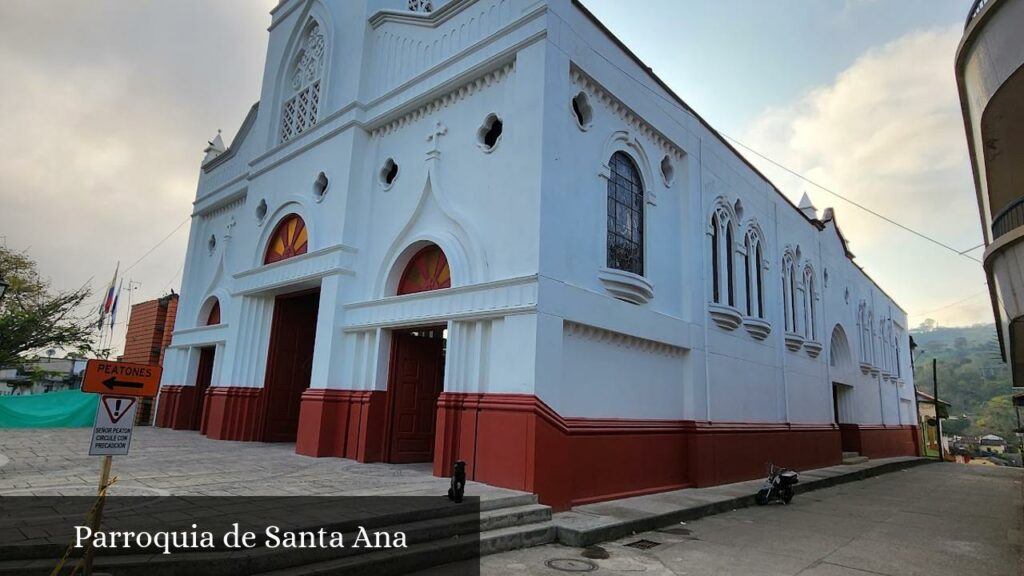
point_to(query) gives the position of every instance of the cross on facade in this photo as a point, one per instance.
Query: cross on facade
(434, 138)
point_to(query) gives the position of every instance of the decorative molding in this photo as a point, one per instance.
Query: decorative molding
(199, 336)
(727, 317)
(865, 367)
(626, 286)
(337, 259)
(813, 348)
(793, 340)
(485, 300)
(465, 90)
(759, 328)
(592, 88)
(619, 340)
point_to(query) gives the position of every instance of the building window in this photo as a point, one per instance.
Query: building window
(753, 281)
(302, 95)
(427, 270)
(625, 215)
(809, 306)
(213, 317)
(290, 239)
(722, 249)
(789, 291)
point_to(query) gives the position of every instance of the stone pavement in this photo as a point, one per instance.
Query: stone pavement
(935, 520)
(55, 461)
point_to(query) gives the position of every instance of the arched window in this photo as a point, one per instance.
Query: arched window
(723, 284)
(213, 318)
(427, 270)
(789, 291)
(753, 264)
(625, 215)
(809, 305)
(301, 106)
(290, 238)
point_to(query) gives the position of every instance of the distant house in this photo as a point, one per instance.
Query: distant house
(992, 444)
(41, 375)
(930, 414)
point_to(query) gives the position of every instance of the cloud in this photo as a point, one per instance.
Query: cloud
(107, 107)
(888, 133)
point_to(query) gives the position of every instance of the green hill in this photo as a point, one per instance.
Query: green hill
(972, 377)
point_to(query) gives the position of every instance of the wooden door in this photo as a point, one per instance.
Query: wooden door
(289, 364)
(416, 381)
(204, 375)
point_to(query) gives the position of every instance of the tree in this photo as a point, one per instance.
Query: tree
(34, 316)
(998, 417)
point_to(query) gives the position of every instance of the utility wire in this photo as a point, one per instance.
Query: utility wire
(158, 244)
(684, 109)
(857, 204)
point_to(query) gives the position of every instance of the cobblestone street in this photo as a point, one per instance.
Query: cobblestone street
(55, 462)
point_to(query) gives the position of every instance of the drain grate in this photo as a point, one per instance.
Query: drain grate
(571, 565)
(643, 544)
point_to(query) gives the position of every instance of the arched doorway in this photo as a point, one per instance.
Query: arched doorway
(416, 372)
(292, 338)
(841, 366)
(204, 372)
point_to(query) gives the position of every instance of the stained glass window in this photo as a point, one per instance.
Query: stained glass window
(290, 239)
(625, 215)
(214, 317)
(428, 270)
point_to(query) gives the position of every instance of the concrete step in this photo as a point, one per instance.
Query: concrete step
(439, 540)
(848, 460)
(850, 455)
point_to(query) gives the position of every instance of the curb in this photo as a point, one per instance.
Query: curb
(582, 538)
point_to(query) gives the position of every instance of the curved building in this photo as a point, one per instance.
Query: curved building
(990, 77)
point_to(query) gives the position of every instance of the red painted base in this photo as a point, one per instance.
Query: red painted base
(518, 442)
(881, 440)
(232, 413)
(344, 423)
(175, 408)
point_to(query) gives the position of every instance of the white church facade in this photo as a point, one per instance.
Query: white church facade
(482, 230)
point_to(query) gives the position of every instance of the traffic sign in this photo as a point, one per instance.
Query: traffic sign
(121, 378)
(112, 431)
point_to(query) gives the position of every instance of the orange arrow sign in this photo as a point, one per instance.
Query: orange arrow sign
(122, 378)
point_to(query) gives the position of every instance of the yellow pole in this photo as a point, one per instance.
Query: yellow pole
(95, 523)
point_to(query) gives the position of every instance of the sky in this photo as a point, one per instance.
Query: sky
(109, 105)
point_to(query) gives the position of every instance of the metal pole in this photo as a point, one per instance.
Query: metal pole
(94, 524)
(935, 392)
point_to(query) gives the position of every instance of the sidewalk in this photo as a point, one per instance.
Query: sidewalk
(593, 523)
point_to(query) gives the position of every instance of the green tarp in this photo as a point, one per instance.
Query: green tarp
(67, 409)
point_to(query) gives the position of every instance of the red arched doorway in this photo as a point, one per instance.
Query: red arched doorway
(416, 373)
(204, 372)
(292, 338)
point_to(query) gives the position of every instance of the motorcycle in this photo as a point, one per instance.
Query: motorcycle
(779, 485)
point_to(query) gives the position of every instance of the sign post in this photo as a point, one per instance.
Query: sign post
(120, 385)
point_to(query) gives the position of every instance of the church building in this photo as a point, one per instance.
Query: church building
(484, 230)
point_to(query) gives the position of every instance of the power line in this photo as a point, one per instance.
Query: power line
(158, 244)
(684, 109)
(857, 204)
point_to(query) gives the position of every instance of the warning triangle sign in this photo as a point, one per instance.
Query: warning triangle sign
(117, 406)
